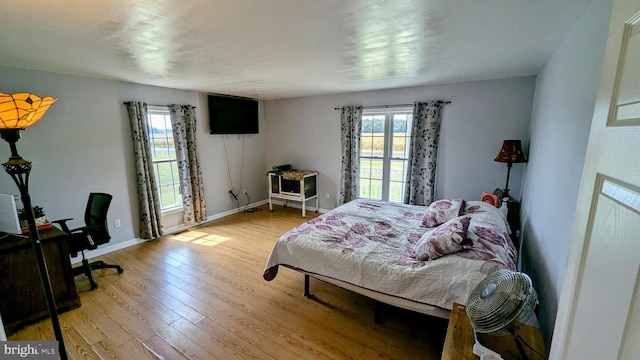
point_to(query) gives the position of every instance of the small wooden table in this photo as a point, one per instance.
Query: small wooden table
(297, 185)
(458, 344)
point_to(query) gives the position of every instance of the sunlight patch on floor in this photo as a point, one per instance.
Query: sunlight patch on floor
(200, 238)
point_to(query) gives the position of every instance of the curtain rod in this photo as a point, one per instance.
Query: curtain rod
(392, 106)
(156, 105)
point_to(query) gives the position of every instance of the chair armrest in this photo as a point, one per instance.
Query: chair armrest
(65, 228)
(63, 224)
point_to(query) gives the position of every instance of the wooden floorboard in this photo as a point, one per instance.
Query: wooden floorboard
(200, 294)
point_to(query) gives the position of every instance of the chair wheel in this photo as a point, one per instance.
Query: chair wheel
(120, 270)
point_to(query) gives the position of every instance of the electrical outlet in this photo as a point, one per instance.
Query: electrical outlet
(326, 195)
(116, 223)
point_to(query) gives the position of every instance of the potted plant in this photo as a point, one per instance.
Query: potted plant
(38, 213)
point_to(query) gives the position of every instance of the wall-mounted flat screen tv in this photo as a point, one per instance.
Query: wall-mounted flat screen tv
(232, 115)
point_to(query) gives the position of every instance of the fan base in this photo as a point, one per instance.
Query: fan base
(481, 351)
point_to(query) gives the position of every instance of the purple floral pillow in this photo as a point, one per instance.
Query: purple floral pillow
(447, 238)
(442, 211)
(491, 243)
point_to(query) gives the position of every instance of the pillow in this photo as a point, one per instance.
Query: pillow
(482, 211)
(445, 239)
(442, 211)
(491, 243)
(490, 198)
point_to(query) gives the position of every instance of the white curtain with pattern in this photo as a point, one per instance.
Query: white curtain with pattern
(183, 122)
(150, 214)
(350, 128)
(423, 155)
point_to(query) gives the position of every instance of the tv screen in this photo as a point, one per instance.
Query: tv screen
(232, 115)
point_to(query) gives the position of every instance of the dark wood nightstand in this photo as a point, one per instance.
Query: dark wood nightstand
(458, 344)
(513, 212)
(513, 218)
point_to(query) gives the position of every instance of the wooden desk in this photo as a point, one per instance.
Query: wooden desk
(458, 344)
(22, 298)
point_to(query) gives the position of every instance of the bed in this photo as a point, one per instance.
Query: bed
(415, 257)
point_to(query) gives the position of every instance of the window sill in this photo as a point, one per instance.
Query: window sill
(172, 210)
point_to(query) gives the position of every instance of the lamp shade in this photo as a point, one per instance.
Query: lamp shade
(21, 110)
(511, 152)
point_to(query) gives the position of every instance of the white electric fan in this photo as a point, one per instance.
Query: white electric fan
(498, 304)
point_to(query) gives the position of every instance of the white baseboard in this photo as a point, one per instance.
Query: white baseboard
(125, 244)
(106, 249)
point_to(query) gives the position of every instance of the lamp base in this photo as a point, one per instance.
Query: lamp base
(505, 193)
(506, 186)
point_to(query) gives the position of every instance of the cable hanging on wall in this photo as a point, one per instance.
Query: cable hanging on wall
(231, 192)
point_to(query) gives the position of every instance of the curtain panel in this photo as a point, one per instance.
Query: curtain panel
(183, 122)
(350, 128)
(425, 135)
(150, 218)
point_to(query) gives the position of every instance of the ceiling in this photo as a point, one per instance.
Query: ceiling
(270, 49)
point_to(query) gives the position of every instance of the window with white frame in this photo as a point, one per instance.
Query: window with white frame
(384, 151)
(163, 154)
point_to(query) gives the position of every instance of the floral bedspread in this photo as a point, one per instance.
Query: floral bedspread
(370, 244)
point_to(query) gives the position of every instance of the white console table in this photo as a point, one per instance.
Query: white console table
(296, 185)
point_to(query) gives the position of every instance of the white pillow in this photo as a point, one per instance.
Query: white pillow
(441, 211)
(485, 212)
(447, 238)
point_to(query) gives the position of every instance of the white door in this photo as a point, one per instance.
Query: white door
(599, 310)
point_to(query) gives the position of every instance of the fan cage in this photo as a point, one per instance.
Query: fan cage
(508, 298)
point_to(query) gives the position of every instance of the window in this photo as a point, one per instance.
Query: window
(163, 155)
(384, 151)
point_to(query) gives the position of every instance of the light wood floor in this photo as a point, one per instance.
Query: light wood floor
(200, 295)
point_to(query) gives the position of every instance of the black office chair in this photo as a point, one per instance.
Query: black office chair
(94, 233)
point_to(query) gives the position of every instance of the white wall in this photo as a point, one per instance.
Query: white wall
(562, 111)
(83, 144)
(305, 132)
